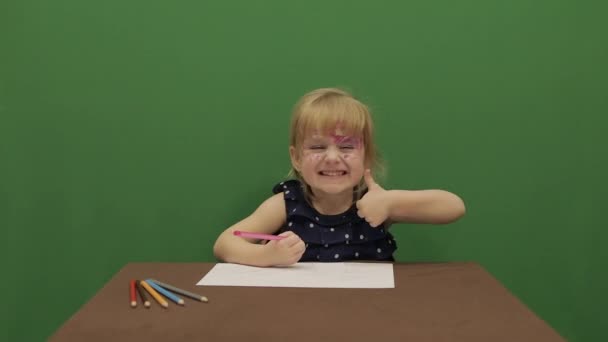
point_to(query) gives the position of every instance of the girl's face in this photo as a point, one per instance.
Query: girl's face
(330, 164)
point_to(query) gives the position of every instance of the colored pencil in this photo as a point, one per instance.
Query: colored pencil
(257, 235)
(154, 294)
(142, 294)
(181, 291)
(132, 293)
(165, 293)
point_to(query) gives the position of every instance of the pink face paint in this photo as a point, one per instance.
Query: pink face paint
(346, 140)
(339, 138)
(317, 147)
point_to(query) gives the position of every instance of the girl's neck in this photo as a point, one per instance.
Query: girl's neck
(332, 204)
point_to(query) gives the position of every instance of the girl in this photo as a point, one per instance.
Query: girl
(333, 209)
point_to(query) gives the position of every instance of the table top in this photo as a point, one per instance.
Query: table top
(430, 302)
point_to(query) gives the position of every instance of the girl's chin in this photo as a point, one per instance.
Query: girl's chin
(333, 189)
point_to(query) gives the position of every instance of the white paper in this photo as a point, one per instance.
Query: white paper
(306, 274)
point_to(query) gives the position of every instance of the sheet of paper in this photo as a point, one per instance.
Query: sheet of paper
(306, 274)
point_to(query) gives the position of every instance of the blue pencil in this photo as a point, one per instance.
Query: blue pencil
(165, 292)
(181, 291)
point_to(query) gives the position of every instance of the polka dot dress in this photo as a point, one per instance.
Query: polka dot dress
(343, 237)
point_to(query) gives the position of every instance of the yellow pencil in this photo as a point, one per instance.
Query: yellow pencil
(154, 294)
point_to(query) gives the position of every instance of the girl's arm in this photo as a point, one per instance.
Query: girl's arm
(266, 219)
(418, 206)
(424, 206)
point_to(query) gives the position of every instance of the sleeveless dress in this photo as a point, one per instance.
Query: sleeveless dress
(343, 237)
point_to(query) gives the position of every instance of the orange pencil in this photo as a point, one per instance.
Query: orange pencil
(154, 294)
(132, 293)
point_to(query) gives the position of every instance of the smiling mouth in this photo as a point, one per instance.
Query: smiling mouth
(332, 173)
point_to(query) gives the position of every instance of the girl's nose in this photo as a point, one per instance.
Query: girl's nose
(333, 153)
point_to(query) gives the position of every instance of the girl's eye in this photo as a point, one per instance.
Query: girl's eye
(317, 147)
(347, 147)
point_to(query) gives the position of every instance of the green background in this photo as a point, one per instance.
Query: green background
(138, 131)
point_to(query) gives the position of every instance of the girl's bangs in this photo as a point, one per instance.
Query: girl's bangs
(337, 117)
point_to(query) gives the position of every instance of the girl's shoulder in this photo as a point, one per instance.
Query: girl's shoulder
(291, 189)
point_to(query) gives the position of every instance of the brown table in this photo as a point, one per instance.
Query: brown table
(430, 302)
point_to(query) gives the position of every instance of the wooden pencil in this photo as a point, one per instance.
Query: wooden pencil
(165, 293)
(142, 294)
(154, 294)
(132, 295)
(181, 291)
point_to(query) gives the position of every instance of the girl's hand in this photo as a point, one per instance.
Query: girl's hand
(286, 251)
(374, 205)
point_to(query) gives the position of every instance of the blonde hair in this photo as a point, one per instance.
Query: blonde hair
(324, 110)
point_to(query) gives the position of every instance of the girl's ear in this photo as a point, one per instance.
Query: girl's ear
(295, 158)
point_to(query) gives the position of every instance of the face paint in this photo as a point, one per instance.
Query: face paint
(339, 138)
(319, 145)
(314, 157)
(344, 140)
(331, 151)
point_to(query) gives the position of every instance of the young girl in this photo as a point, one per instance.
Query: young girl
(333, 210)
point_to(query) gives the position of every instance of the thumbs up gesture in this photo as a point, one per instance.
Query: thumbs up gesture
(374, 205)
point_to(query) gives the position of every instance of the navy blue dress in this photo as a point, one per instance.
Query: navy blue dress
(343, 237)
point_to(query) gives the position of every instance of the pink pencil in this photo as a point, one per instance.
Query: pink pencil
(257, 235)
